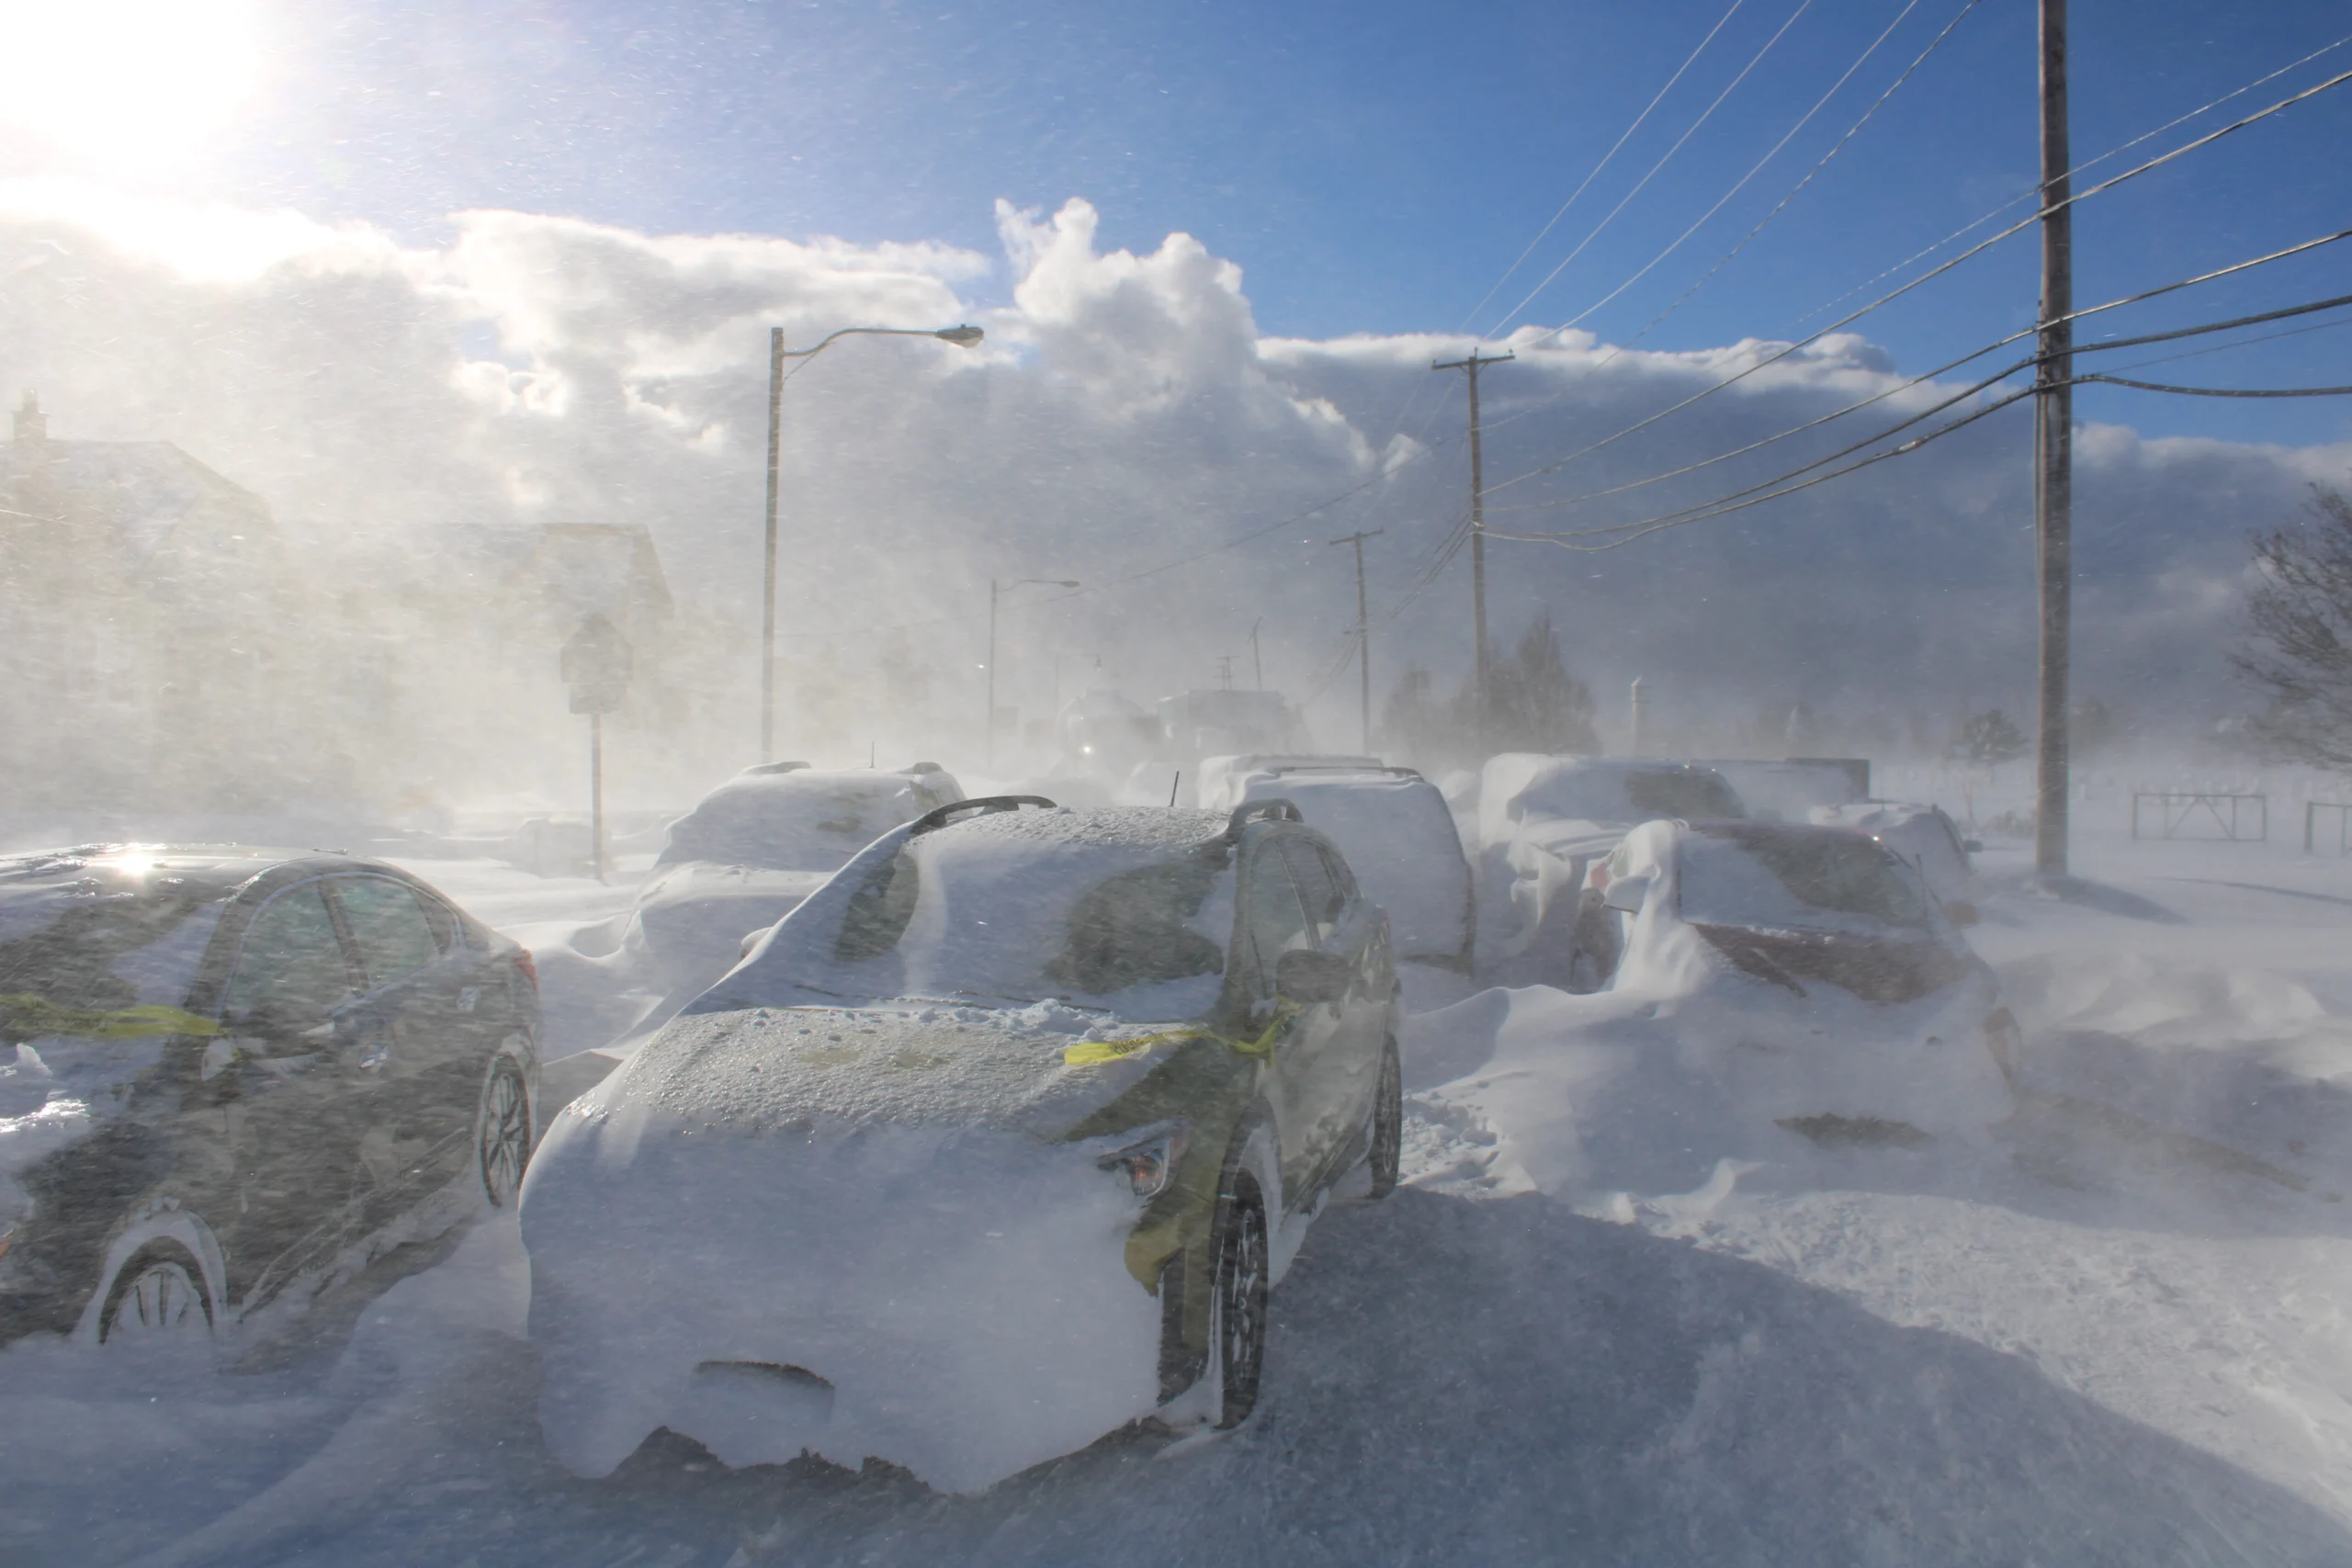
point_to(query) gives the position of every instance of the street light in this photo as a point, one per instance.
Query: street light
(988, 742)
(962, 337)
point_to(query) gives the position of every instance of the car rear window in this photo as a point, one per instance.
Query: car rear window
(1818, 880)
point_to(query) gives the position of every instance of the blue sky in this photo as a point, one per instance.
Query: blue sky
(1372, 167)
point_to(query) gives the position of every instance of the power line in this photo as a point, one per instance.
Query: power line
(2225, 391)
(1757, 168)
(1839, 146)
(1710, 507)
(1974, 251)
(1614, 149)
(1643, 183)
(1978, 353)
(2077, 169)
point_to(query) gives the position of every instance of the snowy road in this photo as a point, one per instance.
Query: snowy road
(2087, 1344)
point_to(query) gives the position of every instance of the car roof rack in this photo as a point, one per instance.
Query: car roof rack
(1268, 810)
(986, 804)
(759, 768)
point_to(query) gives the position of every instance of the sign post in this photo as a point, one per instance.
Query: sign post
(596, 665)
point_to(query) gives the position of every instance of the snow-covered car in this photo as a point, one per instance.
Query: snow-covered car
(1543, 821)
(1396, 830)
(1924, 835)
(1817, 967)
(236, 1070)
(753, 847)
(993, 1145)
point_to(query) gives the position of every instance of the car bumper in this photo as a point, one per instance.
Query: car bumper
(953, 1302)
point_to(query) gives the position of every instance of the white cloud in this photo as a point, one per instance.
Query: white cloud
(1124, 412)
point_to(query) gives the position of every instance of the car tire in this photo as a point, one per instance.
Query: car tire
(1238, 1304)
(503, 1133)
(1387, 1158)
(158, 1297)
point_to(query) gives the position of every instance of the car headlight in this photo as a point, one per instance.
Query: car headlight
(1150, 1163)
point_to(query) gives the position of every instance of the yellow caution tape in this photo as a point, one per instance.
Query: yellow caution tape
(1095, 1053)
(27, 1017)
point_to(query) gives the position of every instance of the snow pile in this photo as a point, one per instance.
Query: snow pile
(2245, 1058)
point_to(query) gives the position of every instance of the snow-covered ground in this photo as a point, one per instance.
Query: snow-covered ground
(2117, 1333)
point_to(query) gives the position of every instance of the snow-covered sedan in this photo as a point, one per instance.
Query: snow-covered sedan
(758, 844)
(993, 1145)
(1815, 967)
(236, 1072)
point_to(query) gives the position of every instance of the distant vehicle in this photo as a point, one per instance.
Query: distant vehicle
(993, 1145)
(1224, 722)
(1817, 962)
(1396, 830)
(1787, 789)
(1924, 835)
(234, 1069)
(753, 847)
(1543, 821)
(1102, 735)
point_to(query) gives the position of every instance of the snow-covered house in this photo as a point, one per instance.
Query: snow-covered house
(143, 607)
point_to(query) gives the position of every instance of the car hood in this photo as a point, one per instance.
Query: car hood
(1039, 1069)
(1886, 970)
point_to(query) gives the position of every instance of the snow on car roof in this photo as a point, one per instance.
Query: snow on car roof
(1123, 827)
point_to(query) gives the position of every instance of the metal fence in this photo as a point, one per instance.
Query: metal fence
(2239, 818)
(2311, 810)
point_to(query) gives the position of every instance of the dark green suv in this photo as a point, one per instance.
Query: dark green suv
(992, 1145)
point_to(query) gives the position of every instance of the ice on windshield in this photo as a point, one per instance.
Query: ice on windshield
(797, 821)
(1823, 881)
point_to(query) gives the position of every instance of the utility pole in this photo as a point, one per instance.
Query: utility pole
(1257, 665)
(767, 580)
(2053, 465)
(1478, 538)
(1363, 629)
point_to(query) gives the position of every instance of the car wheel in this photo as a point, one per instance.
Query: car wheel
(503, 1133)
(158, 1299)
(1387, 1157)
(1237, 1310)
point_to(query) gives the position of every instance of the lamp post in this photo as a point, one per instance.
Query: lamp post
(962, 337)
(996, 591)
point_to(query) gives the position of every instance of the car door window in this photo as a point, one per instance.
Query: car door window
(292, 970)
(1277, 920)
(1318, 890)
(389, 926)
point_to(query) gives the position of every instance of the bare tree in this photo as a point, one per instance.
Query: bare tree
(2297, 649)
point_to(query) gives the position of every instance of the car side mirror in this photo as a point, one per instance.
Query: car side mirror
(1972, 846)
(1626, 894)
(1308, 975)
(1960, 911)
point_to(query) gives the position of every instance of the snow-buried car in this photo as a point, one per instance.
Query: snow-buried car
(1812, 966)
(993, 1145)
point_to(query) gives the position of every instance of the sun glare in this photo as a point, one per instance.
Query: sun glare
(128, 82)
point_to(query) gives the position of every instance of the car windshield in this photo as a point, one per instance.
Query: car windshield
(1821, 880)
(791, 822)
(1140, 931)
